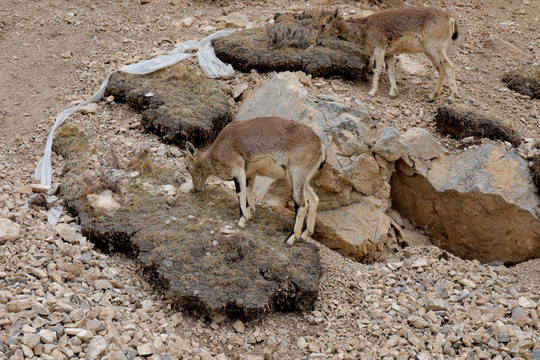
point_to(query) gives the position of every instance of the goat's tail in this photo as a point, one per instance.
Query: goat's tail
(454, 29)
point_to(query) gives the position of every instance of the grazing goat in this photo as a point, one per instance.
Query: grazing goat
(268, 146)
(399, 31)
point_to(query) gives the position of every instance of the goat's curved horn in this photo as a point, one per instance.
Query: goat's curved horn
(190, 148)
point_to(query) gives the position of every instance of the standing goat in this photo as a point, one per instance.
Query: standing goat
(268, 146)
(399, 31)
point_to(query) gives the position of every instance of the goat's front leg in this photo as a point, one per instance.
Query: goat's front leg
(240, 184)
(391, 68)
(378, 55)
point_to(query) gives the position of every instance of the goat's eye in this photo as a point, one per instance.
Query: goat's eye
(323, 26)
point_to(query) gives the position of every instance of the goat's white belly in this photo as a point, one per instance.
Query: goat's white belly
(266, 166)
(407, 44)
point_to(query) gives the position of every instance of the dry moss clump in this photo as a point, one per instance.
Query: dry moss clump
(289, 45)
(70, 140)
(524, 84)
(535, 171)
(176, 103)
(460, 123)
(181, 243)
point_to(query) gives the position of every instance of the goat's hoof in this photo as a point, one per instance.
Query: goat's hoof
(290, 241)
(390, 96)
(242, 222)
(304, 236)
(449, 101)
(430, 100)
(248, 215)
(300, 240)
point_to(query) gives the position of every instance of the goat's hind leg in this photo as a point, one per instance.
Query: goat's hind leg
(240, 184)
(378, 55)
(448, 69)
(436, 61)
(391, 69)
(300, 207)
(250, 181)
(313, 202)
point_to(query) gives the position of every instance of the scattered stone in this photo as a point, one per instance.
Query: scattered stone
(47, 336)
(422, 144)
(9, 230)
(437, 305)
(96, 347)
(145, 349)
(68, 233)
(188, 21)
(103, 202)
(40, 188)
(239, 326)
(518, 315)
(236, 20)
(91, 108)
(18, 305)
(390, 146)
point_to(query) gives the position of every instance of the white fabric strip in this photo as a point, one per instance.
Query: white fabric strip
(211, 65)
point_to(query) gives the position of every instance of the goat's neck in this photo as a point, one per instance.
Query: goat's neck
(205, 159)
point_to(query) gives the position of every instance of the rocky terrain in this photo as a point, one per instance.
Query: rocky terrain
(60, 298)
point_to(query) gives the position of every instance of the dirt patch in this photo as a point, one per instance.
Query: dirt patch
(459, 124)
(535, 171)
(176, 103)
(523, 84)
(289, 45)
(180, 239)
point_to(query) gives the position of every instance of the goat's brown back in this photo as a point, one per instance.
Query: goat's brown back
(267, 135)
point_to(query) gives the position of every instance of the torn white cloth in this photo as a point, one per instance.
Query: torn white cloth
(211, 65)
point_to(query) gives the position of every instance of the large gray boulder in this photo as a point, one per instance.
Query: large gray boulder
(353, 184)
(478, 204)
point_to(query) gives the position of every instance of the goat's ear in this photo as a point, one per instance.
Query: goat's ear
(190, 148)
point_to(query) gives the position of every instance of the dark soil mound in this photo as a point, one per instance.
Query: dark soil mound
(523, 84)
(535, 171)
(289, 45)
(176, 103)
(182, 245)
(460, 124)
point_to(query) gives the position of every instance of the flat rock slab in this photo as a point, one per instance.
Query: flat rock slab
(295, 49)
(206, 265)
(176, 103)
(461, 123)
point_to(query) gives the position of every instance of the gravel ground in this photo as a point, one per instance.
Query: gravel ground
(62, 299)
